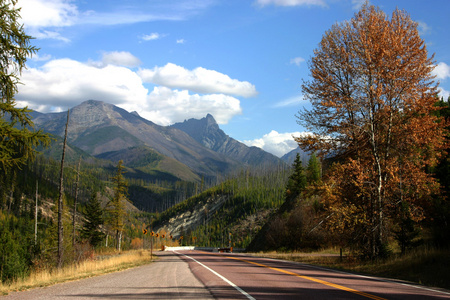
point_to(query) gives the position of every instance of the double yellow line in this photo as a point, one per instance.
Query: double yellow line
(311, 279)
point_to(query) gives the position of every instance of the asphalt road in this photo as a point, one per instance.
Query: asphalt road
(202, 275)
(233, 276)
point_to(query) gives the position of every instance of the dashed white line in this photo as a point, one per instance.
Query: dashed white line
(220, 276)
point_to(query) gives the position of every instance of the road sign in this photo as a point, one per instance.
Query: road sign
(144, 231)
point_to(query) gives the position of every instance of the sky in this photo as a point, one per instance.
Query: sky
(242, 61)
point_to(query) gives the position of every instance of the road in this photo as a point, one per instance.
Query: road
(233, 276)
(169, 277)
(202, 275)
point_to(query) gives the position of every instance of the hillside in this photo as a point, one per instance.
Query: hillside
(239, 206)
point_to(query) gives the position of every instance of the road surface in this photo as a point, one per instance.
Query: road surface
(202, 275)
(169, 277)
(234, 276)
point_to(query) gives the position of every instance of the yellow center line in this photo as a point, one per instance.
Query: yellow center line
(311, 279)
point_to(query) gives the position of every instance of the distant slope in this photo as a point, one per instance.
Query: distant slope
(240, 206)
(206, 131)
(290, 156)
(150, 162)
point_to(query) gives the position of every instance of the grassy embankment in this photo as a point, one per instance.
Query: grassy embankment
(88, 268)
(430, 267)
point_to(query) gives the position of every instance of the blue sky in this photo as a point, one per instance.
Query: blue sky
(171, 60)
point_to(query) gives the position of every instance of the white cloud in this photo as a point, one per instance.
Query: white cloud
(357, 4)
(37, 57)
(48, 13)
(64, 83)
(423, 28)
(290, 2)
(297, 61)
(120, 58)
(166, 106)
(293, 101)
(199, 80)
(276, 143)
(181, 41)
(44, 19)
(152, 36)
(442, 71)
(47, 34)
(443, 93)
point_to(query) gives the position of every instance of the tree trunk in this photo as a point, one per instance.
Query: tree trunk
(60, 201)
(75, 204)
(36, 215)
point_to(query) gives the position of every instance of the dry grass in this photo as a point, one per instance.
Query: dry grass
(425, 266)
(87, 268)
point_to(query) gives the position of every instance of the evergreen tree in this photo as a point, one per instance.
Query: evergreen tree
(313, 171)
(297, 181)
(18, 140)
(94, 219)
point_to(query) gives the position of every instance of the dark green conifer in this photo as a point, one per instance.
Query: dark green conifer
(94, 219)
(297, 181)
(313, 169)
(18, 140)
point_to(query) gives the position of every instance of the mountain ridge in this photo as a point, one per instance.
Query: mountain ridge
(206, 131)
(97, 127)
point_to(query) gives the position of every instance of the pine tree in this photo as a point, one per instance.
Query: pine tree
(94, 219)
(18, 140)
(297, 181)
(313, 171)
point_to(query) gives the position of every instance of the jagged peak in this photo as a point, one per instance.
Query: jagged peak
(210, 117)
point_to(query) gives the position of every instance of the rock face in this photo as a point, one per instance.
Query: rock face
(197, 215)
(206, 131)
(99, 129)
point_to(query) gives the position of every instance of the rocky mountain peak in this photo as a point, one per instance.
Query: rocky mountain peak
(206, 131)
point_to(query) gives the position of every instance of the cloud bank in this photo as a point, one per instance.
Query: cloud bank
(199, 80)
(276, 143)
(442, 71)
(63, 83)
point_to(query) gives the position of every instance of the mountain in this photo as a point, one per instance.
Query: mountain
(206, 131)
(109, 132)
(290, 156)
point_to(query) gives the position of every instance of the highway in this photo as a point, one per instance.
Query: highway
(234, 276)
(205, 275)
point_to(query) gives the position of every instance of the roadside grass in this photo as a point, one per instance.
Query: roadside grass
(426, 266)
(92, 267)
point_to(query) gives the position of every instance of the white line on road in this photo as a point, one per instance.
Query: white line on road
(220, 276)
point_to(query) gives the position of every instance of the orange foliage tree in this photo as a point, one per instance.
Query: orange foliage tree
(373, 94)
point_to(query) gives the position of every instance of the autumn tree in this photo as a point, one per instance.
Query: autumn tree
(18, 140)
(372, 94)
(117, 204)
